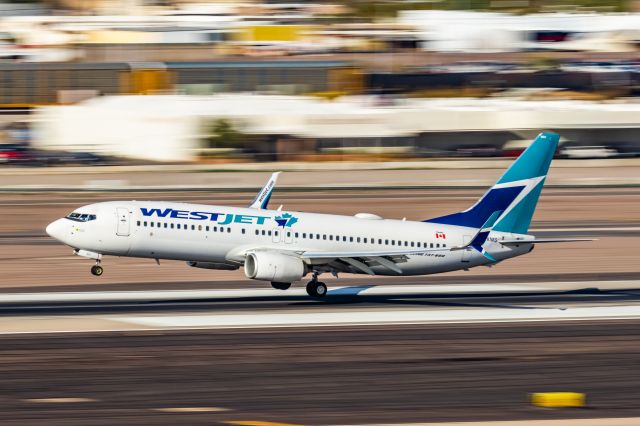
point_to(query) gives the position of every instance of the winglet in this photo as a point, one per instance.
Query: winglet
(262, 199)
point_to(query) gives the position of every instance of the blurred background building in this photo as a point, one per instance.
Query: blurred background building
(173, 81)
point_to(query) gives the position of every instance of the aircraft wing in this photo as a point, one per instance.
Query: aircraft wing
(364, 260)
(262, 199)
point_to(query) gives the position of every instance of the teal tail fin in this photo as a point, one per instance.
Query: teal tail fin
(515, 194)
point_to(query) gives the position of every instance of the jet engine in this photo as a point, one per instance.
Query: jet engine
(274, 267)
(213, 265)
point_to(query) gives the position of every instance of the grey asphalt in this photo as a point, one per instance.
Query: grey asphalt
(582, 292)
(320, 376)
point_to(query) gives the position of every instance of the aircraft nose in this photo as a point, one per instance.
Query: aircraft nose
(55, 229)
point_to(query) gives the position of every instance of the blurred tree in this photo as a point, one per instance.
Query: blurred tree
(223, 135)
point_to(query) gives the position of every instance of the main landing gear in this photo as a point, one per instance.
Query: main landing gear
(316, 288)
(97, 269)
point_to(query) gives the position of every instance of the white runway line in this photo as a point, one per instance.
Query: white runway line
(362, 290)
(160, 295)
(375, 317)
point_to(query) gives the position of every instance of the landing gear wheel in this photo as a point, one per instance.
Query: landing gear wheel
(97, 270)
(280, 286)
(316, 289)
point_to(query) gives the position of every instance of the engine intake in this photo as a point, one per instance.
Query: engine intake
(274, 267)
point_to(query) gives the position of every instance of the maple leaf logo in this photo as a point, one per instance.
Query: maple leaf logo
(286, 220)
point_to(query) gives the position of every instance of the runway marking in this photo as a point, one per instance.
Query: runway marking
(374, 317)
(372, 290)
(191, 409)
(59, 400)
(256, 423)
(622, 421)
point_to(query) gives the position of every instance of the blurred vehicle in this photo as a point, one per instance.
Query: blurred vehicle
(481, 150)
(18, 154)
(14, 154)
(59, 158)
(584, 152)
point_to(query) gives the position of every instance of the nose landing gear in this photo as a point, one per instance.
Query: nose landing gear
(316, 288)
(97, 270)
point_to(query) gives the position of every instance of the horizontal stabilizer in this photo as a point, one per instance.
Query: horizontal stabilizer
(546, 240)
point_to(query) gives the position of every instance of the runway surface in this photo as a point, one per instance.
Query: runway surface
(384, 354)
(336, 375)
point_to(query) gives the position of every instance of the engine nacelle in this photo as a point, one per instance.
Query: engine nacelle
(213, 265)
(274, 267)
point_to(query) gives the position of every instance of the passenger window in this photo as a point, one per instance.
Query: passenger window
(317, 236)
(358, 239)
(151, 224)
(379, 240)
(365, 240)
(304, 235)
(311, 236)
(324, 236)
(386, 242)
(178, 226)
(350, 239)
(229, 230)
(344, 238)
(243, 231)
(199, 227)
(138, 223)
(288, 234)
(269, 233)
(438, 245)
(263, 232)
(431, 245)
(412, 243)
(330, 237)
(393, 242)
(406, 244)
(172, 226)
(296, 235)
(207, 228)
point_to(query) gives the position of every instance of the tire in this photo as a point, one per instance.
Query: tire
(311, 289)
(321, 289)
(97, 270)
(280, 286)
(316, 289)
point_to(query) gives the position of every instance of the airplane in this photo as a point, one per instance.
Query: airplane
(282, 247)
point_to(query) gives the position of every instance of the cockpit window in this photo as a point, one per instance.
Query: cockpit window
(81, 217)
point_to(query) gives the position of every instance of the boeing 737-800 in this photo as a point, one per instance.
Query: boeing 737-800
(282, 247)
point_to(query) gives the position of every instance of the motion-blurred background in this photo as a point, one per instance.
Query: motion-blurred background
(111, 82)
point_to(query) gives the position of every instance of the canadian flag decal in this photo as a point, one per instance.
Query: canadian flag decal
(440, 235)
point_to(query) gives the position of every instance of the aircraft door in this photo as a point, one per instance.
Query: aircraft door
(124, 221)
(288, 236)
(466, 239)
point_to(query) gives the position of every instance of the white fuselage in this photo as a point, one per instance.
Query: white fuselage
(224, 235)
